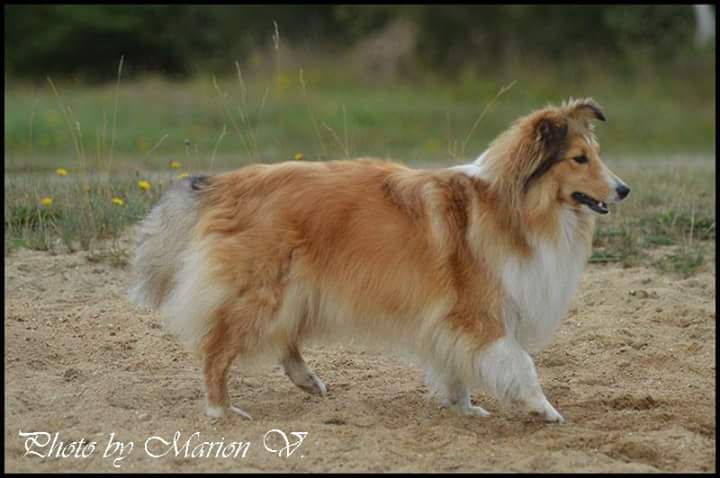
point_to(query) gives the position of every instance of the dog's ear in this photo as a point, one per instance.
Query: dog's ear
(551, 131)
(587, 109)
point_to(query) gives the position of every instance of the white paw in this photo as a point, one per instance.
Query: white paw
(215, 411)
(240, 412)
(321, 388)
(313, 385)
(552, 415)
(539, 404)
(472, 410)
(465, 408)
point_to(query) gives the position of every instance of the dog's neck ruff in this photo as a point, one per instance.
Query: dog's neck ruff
(539, 289)
(477, 168)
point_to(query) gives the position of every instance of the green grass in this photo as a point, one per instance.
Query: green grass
(81, 214)
(668, 221)
(325, 113)
(684, 262)
(108, 137)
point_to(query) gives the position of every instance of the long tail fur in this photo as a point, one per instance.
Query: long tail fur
(172, 272)
(163, 238)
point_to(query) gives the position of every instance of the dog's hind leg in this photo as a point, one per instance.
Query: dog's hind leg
(298, 372)
(220, 351)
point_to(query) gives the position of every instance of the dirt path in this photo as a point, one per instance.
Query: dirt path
(632, 370)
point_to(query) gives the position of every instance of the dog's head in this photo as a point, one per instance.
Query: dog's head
(554, 155)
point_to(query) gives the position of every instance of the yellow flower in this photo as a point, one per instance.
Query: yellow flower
(61, 172)
(144, 185)
(118, 201)
(46, 201)
(175, 164)
(299, 156)
(183, 175)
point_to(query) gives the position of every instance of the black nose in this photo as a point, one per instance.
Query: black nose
(623, 191)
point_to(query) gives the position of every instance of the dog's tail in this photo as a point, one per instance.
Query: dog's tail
(163, 238)
(171, 269)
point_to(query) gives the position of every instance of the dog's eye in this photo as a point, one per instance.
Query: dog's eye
(580, 159)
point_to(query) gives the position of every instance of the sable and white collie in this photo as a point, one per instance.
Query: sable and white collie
(466, 268)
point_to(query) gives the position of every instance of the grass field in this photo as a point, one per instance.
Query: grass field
(325, 113)
(107, 138)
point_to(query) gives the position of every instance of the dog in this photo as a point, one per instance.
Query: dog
(467, 268)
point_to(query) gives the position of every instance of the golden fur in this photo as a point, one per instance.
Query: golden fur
(370, 249)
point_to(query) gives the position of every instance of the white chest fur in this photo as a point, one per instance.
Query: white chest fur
(540, 288)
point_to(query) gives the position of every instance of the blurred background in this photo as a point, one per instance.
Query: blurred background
(334, 80)
(104, 105)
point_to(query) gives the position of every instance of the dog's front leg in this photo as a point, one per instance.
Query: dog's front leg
(458, 400)
(507, 371)
(453, 393)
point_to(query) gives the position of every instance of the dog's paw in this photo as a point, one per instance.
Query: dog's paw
(551, 415)
(467, 409)
(216, 412)
(313, 385)
(242, 413)
(540, 405)
(472, 410)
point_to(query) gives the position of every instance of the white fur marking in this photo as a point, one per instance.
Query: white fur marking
(476, 169)
(468, 409)
(215, 411)
(468, 169)
(240, 412)
(508, 372)
(541, 288)
(189, 310)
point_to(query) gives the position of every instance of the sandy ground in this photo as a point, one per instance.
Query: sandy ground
(632, 370)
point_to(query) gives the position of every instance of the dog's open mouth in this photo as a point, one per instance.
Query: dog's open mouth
(599, 207)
